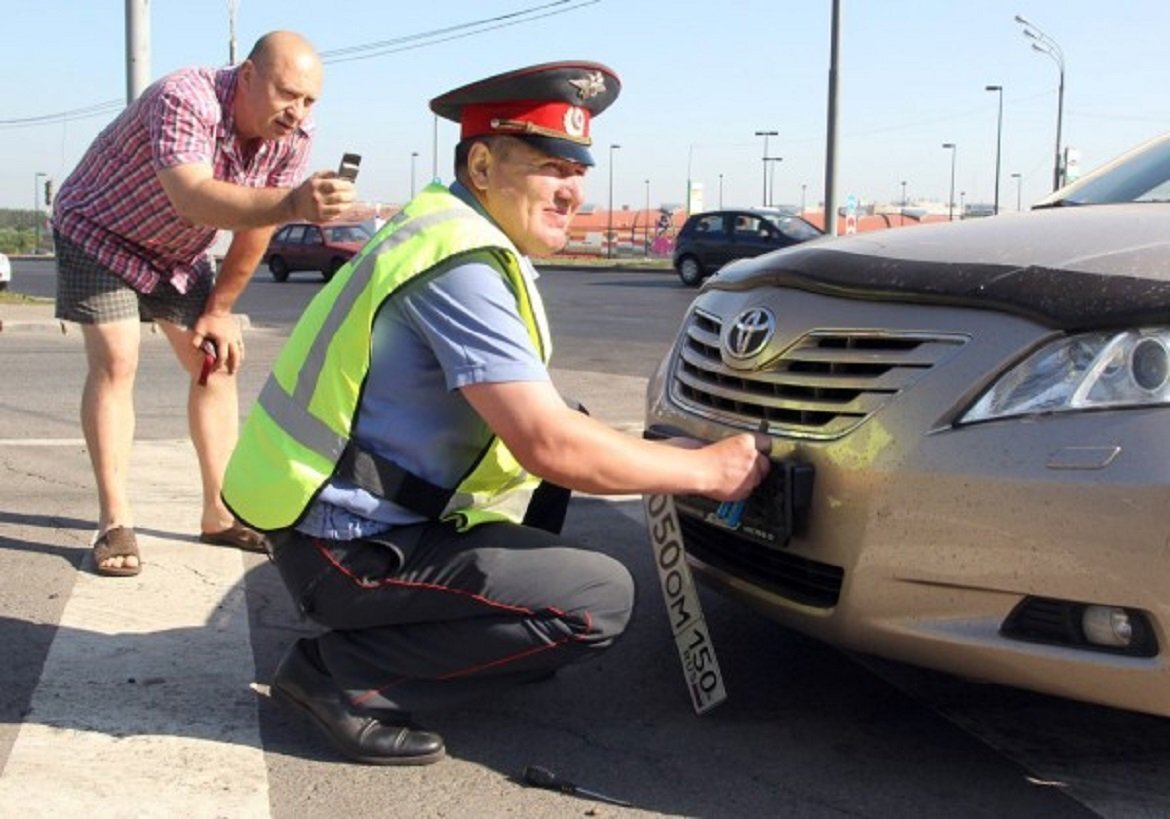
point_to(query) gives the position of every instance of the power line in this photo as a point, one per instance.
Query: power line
(437, 35)
(352, 53)
(436, 40)
(107, 107)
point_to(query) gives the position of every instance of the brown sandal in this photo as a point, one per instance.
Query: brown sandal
(116, 542)
(237, 536)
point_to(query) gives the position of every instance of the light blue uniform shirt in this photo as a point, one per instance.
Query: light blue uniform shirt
(441, 333)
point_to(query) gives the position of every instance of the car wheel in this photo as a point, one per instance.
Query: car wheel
(690, 271)
(278, 267)
(335, 264)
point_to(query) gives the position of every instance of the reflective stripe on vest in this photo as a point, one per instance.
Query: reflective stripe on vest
(296, 434)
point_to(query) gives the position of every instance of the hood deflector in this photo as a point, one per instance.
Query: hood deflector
(1061, 299)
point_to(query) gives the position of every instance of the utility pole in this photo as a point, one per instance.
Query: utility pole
(232, 31)
(831, 139)
(137, 48)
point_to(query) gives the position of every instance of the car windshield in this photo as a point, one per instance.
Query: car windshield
(348, 233)
(795, 228)
(1141, 175)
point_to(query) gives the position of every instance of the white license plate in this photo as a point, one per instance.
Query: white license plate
(693, 640)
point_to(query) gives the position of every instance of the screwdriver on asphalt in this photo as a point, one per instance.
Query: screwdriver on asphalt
(544, 778)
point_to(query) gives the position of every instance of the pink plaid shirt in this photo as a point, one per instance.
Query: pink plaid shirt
(113, 205)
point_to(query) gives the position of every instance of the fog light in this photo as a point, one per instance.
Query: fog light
(1107, 626)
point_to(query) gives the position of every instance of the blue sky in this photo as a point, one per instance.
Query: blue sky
(699, 79)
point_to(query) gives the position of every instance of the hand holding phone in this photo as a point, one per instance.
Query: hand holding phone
(348, 169)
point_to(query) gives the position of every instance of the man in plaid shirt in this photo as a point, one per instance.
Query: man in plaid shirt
(200, 150)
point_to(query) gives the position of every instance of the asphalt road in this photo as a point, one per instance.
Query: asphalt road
(806, 731)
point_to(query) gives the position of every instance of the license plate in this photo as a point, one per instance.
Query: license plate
(776, 510)
(692, 639)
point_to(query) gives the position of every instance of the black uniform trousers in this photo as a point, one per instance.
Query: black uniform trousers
(425, 617)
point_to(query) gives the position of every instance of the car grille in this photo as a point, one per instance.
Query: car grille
(822, 385)
(796, 578)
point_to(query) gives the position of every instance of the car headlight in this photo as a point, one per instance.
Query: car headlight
(1086, 371)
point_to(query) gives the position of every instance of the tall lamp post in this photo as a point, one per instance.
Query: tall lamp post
(609, 215)
(765, 135)
(803, 189)
(1046, 45)
(720, 191)
(772, 161)
(951, 199)
(413, 157)
(646, 229)
(903, 193)
(37, 177)
(1018, 178)
(998, 140)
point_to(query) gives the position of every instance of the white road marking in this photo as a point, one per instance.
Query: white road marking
(144, 707)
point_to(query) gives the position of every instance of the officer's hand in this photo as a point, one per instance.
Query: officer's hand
(323, 196)
(737, 465)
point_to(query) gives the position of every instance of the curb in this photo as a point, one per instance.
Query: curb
(55, 325)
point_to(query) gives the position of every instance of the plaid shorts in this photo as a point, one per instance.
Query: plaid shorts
(90, 293)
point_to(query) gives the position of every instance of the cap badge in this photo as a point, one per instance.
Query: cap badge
(590, 85)
(575, 121)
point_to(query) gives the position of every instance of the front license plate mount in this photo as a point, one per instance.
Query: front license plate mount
(776, 511)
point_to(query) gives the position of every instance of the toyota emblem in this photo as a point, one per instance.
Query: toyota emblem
(750, 333)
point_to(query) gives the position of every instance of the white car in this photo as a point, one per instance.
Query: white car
(5, 271)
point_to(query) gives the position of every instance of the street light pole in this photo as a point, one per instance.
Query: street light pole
(998, 141)
(1017, 177)
(646, 228)
(37, 177)
(772, 160)
(413, 157)
(951, 199)
(803, 188)
(962, 204)
(720, 191)
(1046, 45)
(765, 135)
(690, 157)
(609, 215)
(903, 193)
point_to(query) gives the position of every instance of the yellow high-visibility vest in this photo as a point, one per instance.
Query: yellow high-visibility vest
(299, 430)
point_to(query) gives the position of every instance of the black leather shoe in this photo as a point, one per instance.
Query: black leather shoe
(384, 739)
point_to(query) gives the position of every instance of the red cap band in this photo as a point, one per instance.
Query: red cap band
(555, 119)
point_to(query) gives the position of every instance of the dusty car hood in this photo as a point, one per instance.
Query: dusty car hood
(1072, 267)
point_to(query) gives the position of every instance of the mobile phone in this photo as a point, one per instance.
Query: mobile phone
(348, 169)
(209, 357)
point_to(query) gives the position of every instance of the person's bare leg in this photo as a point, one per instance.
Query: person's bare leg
(213, 419)
(107, 419)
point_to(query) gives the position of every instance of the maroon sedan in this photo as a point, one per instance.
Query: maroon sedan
(306, 246)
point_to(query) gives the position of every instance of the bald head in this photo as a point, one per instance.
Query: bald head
(278, 84)
(275, 46)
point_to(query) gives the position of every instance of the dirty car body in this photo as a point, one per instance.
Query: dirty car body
(969, 437)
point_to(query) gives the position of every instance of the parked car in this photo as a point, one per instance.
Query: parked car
(5, 272)
(970, 465)
(710, 240)
(307, 246)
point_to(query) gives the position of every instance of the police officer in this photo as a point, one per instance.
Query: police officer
(395, 455)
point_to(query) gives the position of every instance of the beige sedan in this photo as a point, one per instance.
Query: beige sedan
(970, 439)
